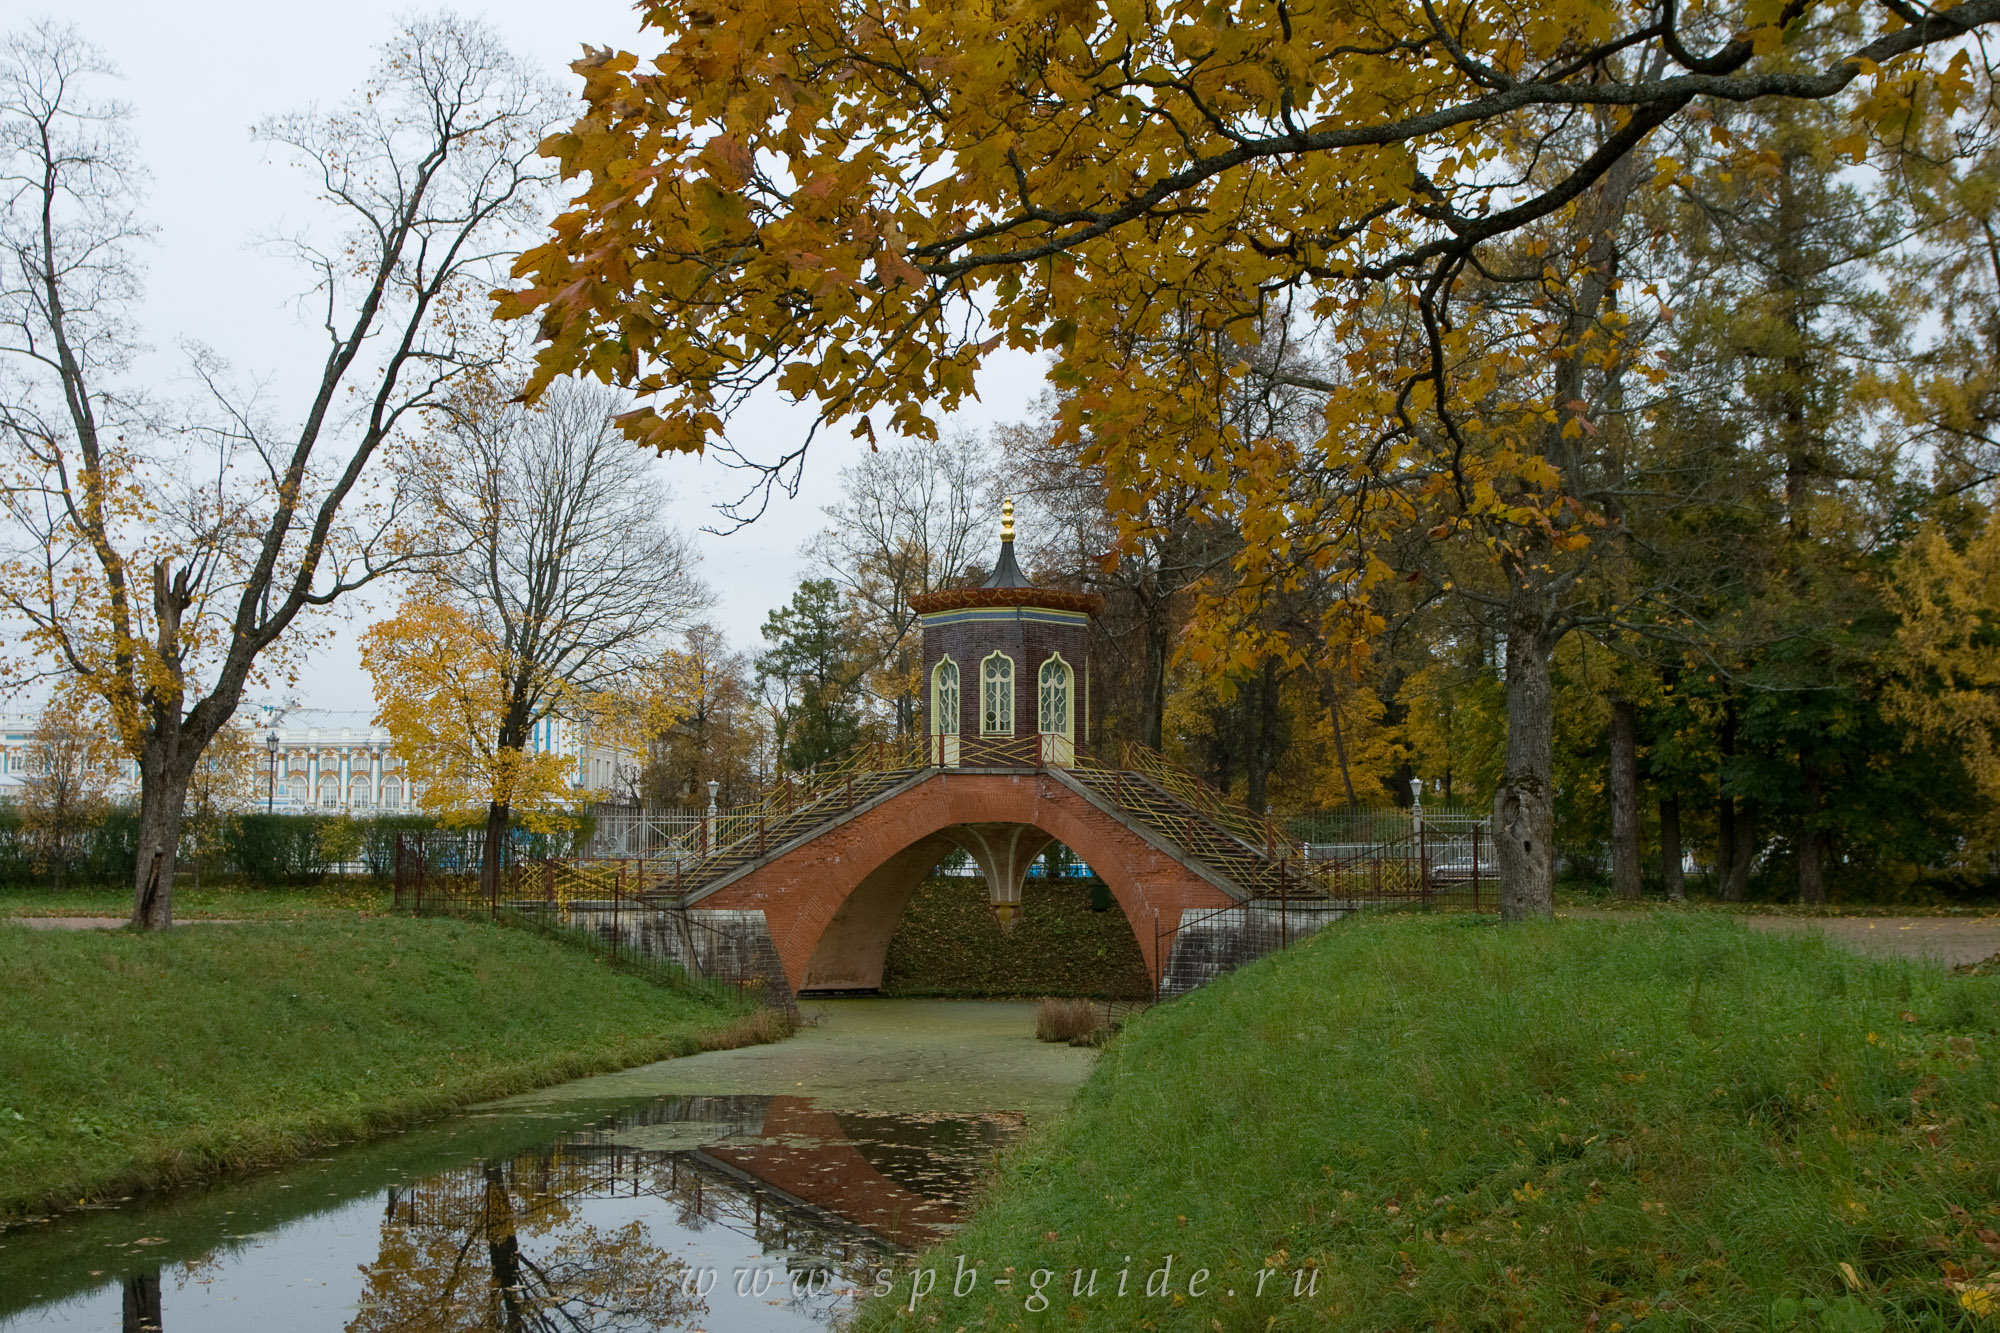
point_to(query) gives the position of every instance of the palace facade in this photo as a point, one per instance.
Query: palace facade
(337, 760)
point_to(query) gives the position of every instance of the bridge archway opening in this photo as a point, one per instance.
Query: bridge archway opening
(1008, 868)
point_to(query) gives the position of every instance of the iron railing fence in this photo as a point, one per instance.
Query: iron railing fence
(584, 903)
(1446, 869)
(1369, 825)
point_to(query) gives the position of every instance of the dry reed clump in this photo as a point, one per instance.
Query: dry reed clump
(1065, 1020)
(760, 1026)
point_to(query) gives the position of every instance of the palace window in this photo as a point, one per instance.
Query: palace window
(996, 695)
(1055, 682)
(944, 698)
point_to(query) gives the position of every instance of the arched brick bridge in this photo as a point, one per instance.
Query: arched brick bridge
(807, 890)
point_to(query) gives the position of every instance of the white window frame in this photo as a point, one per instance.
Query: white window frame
(945, 698)
(1064, 684)
(996, 695)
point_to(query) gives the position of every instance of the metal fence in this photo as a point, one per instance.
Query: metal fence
(587, 903)
(1368, 825)
(1447, 866)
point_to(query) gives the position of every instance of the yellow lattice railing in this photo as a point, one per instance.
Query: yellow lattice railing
(793, 794)
(1258, 832)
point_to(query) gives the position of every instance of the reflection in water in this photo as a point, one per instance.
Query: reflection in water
(504, 1245)
(682, 1212)
(142, 1302)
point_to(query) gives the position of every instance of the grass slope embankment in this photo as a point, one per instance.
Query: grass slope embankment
(131, 1061)
(339, 896)
(1445, 1124)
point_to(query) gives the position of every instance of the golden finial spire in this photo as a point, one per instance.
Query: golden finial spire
(1007, 519)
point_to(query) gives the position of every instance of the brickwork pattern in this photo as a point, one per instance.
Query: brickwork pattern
(1029, 643)
(801, 892)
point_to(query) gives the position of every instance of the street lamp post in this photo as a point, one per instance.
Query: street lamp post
(1416, 804)
(271, 796)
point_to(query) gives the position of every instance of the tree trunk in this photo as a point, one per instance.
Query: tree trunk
(1812, 875)
(1743, 851)
(1725, 844)
(1159, 648)
(1263, 750)
(1624, 799)
(503, 1252)
(1340, 748)
(494, 848)
(163, 787)
(1670, 847)
(1523, 806)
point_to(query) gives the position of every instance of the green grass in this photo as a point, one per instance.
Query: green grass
(949, 944)
(129, 1061)
(229, 900)
(1663, 1121)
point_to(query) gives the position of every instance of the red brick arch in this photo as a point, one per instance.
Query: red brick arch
(831, 904)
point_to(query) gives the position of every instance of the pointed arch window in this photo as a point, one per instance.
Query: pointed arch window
(944, 698)
(1057, 687)
(996, 695)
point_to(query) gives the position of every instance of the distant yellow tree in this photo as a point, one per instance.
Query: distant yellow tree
(653, 701)
(442, 688)
(715, 734)
(1456, 722)
(1356, 750)
(72, 764)
(1326, 742)
(1948, 601)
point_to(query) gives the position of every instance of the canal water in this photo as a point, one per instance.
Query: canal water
(757, 1189)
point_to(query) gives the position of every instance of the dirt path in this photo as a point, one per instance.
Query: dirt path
(102, 922)
(1950, 940)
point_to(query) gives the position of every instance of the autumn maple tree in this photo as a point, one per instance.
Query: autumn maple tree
(858, 203)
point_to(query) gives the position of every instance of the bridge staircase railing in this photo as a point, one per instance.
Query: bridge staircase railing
(1252, 851)
(800, 804)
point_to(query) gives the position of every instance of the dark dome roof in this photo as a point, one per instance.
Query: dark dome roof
(1007, 574)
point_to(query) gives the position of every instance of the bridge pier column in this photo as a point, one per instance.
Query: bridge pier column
(1003, 852)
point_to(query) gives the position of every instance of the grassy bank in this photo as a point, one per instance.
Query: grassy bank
(1658, 1121)
(949, 944)
(129, 1061)
(228, 900)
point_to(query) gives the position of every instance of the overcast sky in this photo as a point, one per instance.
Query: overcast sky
(198, 74)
